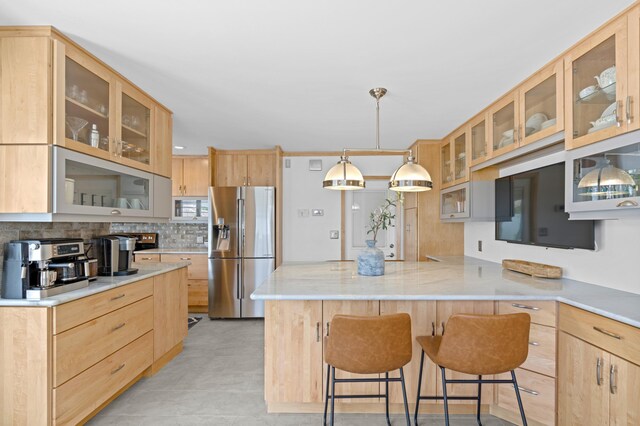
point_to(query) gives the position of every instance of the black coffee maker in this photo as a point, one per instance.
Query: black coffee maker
(114, 254)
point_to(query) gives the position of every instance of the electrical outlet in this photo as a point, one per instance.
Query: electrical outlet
(479, 245)
(334, 235)
(317, 212)
(200, 240)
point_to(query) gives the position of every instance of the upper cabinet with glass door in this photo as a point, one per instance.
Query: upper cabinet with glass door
(597, 100)
(453, 157)
(478, 134)
(503, 125)
(445, 163)
(133, 141)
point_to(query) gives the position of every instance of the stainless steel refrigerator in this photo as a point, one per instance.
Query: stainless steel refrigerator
(241, 248)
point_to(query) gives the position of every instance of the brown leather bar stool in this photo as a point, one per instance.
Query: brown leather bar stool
(367, 345)
(478, 345)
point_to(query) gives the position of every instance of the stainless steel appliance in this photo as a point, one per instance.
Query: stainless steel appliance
(190, 209)
(35, 269)
(144, 240)
(241, 248)
(115, 254)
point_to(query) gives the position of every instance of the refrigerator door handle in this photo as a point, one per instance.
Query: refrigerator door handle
(239, 221)
(238, 281)
(242, 280)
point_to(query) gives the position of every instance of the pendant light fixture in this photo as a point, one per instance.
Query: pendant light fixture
(607, 181)
(409, 177)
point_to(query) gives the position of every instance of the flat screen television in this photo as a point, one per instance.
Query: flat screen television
(530, 210)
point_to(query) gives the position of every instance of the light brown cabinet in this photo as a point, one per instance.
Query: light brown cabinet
(170, 312)
(245, 169)
(453, 157)
(197, 278)
(190, 176)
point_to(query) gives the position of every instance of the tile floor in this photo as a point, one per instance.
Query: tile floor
(218, 380)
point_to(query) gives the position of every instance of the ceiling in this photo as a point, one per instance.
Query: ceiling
(252, 74)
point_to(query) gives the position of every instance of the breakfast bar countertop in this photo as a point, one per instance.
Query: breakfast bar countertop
(448, 278)
(145, 270)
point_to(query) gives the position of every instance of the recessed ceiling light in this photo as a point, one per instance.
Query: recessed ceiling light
(178, 147)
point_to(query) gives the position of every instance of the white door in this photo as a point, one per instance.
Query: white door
(358, 208)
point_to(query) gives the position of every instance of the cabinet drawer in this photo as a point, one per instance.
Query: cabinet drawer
(538, 395)
(79, 348)
(147, 258)
(82, 310)
(80, 396)
(198, 270)
(542, 312)
(613, 336)
(542, 350)
(198, 292)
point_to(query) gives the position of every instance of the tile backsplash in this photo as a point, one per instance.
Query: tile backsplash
(171, 235)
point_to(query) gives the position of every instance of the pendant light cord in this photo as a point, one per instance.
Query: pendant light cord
(377, 123)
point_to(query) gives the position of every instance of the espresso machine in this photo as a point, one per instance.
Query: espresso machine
(35, 269)
(115, 254)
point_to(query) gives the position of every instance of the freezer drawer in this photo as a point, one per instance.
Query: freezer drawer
(224, 288)
(255, 272)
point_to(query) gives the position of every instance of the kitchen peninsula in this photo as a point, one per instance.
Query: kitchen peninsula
(301, 299)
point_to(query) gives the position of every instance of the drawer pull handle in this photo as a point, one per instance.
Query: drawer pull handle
(118, 369)
(534, 343)
(608, 333)
(117, 297)
(529, 391)
(599, 372)
(146, 258)
(185, 258)
(612, 380)
(518, 305)
(627, 203)
(119, 326)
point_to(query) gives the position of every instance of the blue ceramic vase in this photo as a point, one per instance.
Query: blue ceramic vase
(371, 260)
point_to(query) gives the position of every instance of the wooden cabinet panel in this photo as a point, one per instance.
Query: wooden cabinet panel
(80, 396)
(26, 85)
(423, 315)
(147, 258)
(351, 307)
(541, 312)
(177, 168)
(444, 310)
(170, 311)
(261, 170)
(624, 392)
(163, 143)
(411, 235)
(195, 177)
(198, 270)
(231, 170)
(198, 292)
(581, 400)
(538, 394)
(77, 349)
(293, 353)
(82, 310)
(542, 350)
(25, 179)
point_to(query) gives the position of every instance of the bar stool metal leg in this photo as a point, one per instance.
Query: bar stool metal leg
(515, 385)
(333, 392)
(386, 397)
(404, 397)
(415, 416)
(326, 396)
(444, 397)
(479, 399)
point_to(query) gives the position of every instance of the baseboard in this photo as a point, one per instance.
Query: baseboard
(361, 407)
(164, 360)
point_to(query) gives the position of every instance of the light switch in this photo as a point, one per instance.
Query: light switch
(317, 212)
(334, 235)
(303, 212)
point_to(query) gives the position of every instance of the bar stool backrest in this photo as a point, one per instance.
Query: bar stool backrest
(485, 344)
(367, 344)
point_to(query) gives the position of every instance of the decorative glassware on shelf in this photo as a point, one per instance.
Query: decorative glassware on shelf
(76, 124)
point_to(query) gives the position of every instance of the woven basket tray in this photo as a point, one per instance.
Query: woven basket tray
(531, 268)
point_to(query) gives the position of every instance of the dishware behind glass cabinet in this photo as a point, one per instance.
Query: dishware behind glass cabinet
(75, 125)
(606, 77)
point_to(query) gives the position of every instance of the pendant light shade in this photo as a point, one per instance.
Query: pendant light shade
(344, 176)
(410, 177)
(608, 181)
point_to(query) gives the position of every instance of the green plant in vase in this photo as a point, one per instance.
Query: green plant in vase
(371, 259)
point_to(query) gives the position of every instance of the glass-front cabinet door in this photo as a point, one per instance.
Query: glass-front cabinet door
(445, 163)
(454, 202)
(133, 144)
(595, 85)
(88, 106)
(504, 129)
(459, 156)
(478, 136)
(541, 110)
(87, 185)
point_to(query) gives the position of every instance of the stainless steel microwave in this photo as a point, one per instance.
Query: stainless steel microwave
(190, 209)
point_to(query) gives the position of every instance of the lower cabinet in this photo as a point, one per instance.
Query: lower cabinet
(170, 312)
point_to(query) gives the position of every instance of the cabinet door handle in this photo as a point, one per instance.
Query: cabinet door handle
(115, 212)
(613, 387)
(328, 325)
(184, 190)
(518, 305)
(248, 181)
(629, 116)
(534, 343)
(627, 203)
(118, 369)
(185, 258)
(529, 391)
(618, 108)
(520, 133)
(433, 328)
(608, 333)
(317, 331)
(599, 372)
(442, 328)
(119, 326)
(120, 296)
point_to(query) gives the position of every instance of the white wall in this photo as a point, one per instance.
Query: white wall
(613, 264)
(307, 238)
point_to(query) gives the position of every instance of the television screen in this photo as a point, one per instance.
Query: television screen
(530, 210)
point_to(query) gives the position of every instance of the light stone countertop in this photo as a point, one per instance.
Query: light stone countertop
(181, 250)
(452, 278)
(145, 270)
